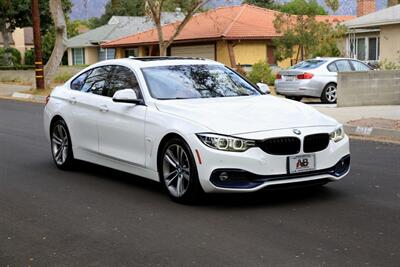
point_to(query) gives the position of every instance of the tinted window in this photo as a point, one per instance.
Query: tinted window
(343, 65)
(96, 81)
(122, 78)
(195, 81)
(308, 64)
(332, 67)
(77, 83)
(358, 66)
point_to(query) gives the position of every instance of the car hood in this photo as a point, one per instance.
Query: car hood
(239, 115)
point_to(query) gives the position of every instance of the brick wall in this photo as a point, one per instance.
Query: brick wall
(365, 7)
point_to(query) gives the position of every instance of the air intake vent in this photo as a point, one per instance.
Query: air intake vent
(281, 145)
(315, 142)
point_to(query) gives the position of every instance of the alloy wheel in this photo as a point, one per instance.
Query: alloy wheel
(330, 93)
(176, 170)
(59, 140)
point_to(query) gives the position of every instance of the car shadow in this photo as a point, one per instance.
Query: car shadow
(265, 197)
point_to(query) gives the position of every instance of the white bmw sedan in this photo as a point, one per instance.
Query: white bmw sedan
(194, 125)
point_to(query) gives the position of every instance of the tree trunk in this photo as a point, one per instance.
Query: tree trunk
(60, 46)
(6, 34)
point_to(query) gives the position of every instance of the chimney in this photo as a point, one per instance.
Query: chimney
(365, 7)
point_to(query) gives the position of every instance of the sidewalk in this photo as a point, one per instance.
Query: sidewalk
(8, 89)
(369, 121)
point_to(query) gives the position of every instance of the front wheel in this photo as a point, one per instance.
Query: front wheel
(178, 172)
(61, 146)
(329, 94)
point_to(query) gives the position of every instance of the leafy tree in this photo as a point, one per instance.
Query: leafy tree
(262, 3)
(17, 13)
(393, 2)
(332, 4)
(118, 8)
(302, 7)
(310, 37)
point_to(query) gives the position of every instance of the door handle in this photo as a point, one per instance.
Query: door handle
(73, 100)
(103, 108)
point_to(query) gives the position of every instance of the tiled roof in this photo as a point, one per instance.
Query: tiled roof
(229, 23)
(118, 27)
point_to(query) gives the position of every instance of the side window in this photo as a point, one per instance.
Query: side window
(96, 81)
(122, 78)
(332, 67)
(343, 65)
(359, 66)
(77, 83)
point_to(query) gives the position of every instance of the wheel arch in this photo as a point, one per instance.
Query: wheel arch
(162, 143)
(54, 120)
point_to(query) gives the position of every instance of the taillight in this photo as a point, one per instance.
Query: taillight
(305, 76)
(278, 76)
(47, 99)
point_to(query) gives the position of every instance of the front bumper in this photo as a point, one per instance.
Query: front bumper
(256, 169)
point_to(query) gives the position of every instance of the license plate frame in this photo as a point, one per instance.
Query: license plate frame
(301, 163)
(289, 78)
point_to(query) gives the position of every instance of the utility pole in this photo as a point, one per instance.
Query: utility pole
(38, 48)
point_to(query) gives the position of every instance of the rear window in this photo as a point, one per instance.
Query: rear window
(308, 64)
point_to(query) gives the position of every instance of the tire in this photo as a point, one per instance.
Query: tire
(178, 174)
(329, 94)
(61, 145)
(295, 98)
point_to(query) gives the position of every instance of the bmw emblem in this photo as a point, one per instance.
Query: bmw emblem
(297, 131)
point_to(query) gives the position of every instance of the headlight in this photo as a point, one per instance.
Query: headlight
(225, 143)
(338, 134)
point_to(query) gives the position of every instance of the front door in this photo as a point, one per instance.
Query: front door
(121, 125)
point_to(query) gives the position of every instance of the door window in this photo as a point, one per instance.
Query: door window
(359, 66)
(96, 81)
(332, 67)
(77, 83)
(343, 65)
(122, 78)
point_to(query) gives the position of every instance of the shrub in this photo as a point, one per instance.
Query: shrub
(62, 77)
(19, 67)
(15, 56)
(261, 72)
(29, 57)
(388, 65)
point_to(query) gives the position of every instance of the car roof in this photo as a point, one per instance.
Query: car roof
(143, 62)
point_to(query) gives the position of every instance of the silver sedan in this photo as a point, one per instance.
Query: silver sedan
(315, 78)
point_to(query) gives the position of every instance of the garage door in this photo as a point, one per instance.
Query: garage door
(203, 51)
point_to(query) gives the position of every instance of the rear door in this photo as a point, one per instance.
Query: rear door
(121, 125)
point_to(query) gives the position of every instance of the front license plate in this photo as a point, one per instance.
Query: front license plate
(301, 163)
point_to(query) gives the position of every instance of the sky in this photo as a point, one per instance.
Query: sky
(95, 8)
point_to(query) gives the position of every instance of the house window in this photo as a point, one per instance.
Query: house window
(106, 53)
(78, 56)
(361, 48)
(131, 52)
(365, 48)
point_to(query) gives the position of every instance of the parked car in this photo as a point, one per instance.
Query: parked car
(315, 78)
(194, 125)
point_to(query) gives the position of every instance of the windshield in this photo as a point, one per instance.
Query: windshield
(308, 64)
(195, 81)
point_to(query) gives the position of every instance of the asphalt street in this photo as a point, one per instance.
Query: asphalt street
(95, 216)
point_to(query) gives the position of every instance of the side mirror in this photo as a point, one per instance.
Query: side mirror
(263, 88)
(126, 96)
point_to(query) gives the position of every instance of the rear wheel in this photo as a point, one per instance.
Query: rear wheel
(329, 94)
(178, 172)
(61, 146)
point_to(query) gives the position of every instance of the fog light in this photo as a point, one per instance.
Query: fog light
(223, 176)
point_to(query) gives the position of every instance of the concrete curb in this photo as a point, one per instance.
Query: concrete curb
(36, 98)
(371, 132)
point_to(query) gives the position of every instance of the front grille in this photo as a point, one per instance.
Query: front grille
(315, 142)
(281, 145)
